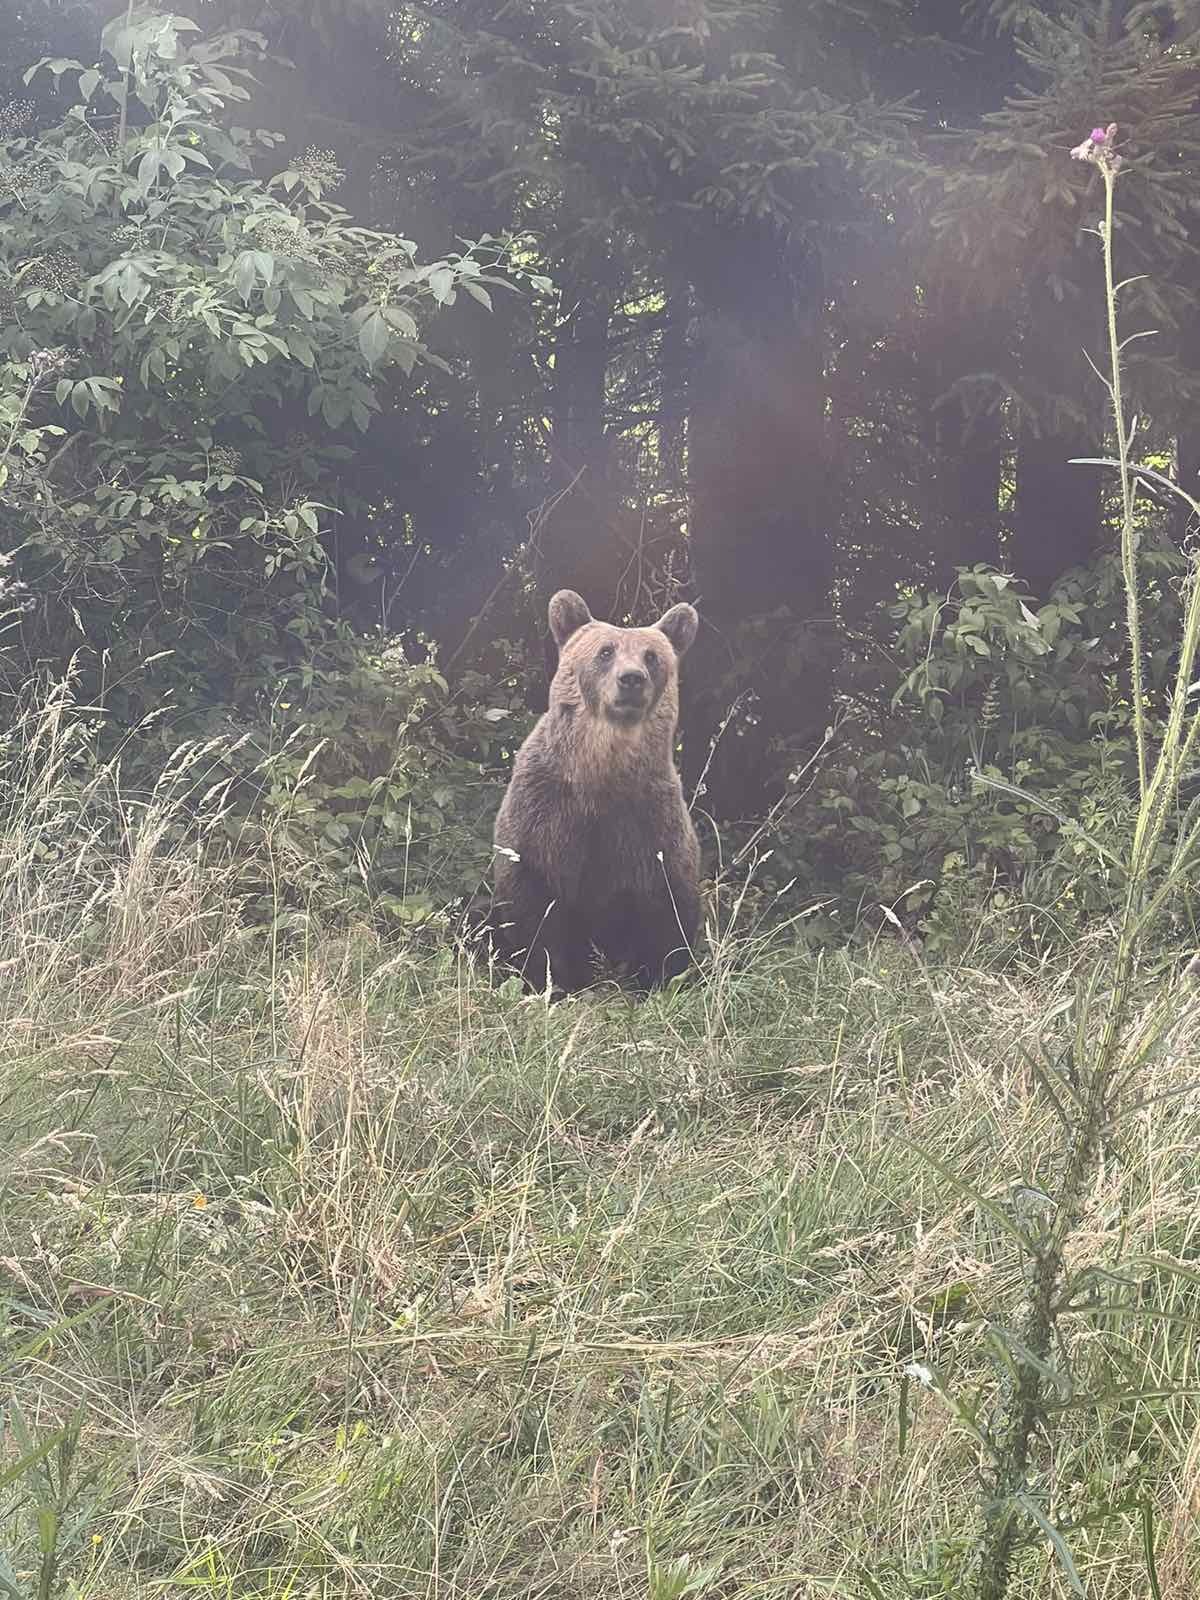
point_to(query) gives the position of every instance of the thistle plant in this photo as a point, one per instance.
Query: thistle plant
(1093, 1093)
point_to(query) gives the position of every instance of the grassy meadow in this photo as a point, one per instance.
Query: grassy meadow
(329, 1268)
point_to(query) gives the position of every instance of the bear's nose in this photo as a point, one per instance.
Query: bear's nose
(632, 680)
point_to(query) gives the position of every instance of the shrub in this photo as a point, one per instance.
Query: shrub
(986, 693)
(186, 352)
(186, 344)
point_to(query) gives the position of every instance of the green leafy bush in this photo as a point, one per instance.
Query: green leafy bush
(184, 342)
(186, 352)
(380, 782)
(985, 693)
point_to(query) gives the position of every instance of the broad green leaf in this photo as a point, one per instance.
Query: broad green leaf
(244, 275)
(301, 349)
(401, 322)
(373, 337)
(147, 170)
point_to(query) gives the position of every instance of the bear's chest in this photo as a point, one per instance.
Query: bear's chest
(619, 848)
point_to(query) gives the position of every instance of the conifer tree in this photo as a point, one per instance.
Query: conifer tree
(1004, 224)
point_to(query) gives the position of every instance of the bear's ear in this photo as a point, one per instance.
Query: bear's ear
(568, 613)
(680, 625)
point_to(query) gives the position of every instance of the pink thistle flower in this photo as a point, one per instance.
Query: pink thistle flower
(1097, 148)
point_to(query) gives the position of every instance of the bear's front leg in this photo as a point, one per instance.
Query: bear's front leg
(665, 933)
(541, 934)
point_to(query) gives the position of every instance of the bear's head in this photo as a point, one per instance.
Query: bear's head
(624, 675)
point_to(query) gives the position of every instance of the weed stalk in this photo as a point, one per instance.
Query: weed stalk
(1093, 1099)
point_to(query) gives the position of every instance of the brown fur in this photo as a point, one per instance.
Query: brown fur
(594, 844)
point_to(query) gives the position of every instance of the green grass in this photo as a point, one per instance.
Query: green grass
(362, 1277)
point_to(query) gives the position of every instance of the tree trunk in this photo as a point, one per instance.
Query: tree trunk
(1056, 522)
(760, 526)
(1187, 474)
(1187, 440)
(577, 545)
(1057, 513)
(675, 360)
(968, 439)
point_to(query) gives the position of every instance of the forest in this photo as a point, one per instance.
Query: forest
(336, 337)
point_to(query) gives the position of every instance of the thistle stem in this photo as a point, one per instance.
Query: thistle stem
(1022, 1410)
(1128, 531)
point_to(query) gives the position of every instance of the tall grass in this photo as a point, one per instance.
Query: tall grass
(1097, 1086)
(331, 1270)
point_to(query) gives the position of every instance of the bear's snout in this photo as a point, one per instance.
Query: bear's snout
(630, 698)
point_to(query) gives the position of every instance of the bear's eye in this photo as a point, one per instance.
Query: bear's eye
(651, 659)
(606, 652)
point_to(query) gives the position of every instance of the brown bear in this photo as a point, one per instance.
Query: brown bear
(594, 844)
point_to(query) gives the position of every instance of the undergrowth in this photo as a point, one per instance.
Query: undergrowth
(328, 1268)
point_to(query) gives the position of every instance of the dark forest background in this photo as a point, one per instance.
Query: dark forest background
(781, 306)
